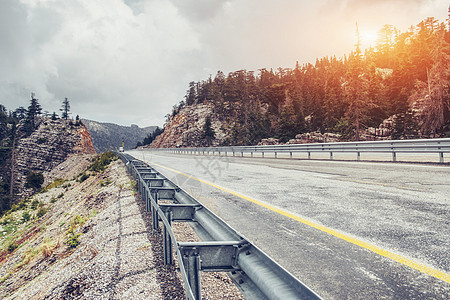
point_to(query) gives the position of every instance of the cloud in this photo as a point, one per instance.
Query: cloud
(105, 59)
(130, 61)
(199, 11)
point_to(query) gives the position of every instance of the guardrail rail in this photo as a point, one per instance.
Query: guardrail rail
(438, 146)
(222, 248)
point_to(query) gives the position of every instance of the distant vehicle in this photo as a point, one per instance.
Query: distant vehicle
(120, 149)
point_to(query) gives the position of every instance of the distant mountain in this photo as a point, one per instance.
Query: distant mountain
(107, 136)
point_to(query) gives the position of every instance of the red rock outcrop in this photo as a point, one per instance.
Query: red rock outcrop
(85, 145)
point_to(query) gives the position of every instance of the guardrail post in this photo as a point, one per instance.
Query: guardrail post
(149, 203)
(251, 154)
(233, 153)
(358, 156)
(441, 154)
(242, 154)
(275, 155)
(262, 154)
(192, 264)
(145, 198)
(290, 155)
(155, 217)
(331, 155)
(309, 155)
(168, 255)
(394, 156)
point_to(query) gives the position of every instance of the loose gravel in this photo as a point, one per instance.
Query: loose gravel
(119, 255)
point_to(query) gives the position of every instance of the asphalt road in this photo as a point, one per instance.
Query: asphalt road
(349, 230)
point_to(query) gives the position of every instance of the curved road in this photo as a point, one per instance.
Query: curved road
(349, 230)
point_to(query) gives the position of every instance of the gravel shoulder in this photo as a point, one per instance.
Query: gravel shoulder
(118, 255)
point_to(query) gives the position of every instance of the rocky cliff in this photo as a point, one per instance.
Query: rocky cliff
(48, 146)
(186, 127)
(233, 124)
(107, 136)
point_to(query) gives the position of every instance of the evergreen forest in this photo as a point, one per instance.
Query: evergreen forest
(405, 78)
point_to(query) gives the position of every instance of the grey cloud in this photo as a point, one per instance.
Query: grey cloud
(200, 10)
(130, 61)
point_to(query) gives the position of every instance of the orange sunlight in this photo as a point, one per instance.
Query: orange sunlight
(368, 38)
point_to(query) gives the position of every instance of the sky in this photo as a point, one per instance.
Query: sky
(130, 61)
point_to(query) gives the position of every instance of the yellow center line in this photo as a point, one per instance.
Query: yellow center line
(380, 251)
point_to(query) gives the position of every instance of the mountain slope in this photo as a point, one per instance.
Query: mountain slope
(37, 152)
(107, 136)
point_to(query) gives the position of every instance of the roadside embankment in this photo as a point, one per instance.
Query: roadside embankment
(89, 237)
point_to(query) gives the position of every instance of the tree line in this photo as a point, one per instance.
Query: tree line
(150, 137)
(340, 95)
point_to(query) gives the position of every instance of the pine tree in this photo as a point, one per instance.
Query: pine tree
(78, 121)
(65, 108)
(191, 94)
(356, 90)
(208, 132)
(33, 111)
(20, 113)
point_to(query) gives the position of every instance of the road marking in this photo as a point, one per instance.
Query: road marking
(380, 251)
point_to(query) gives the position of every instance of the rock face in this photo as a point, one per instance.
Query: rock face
(107, 136)
(269, 142)
(315, 137)
(185, 128)
(48, 146)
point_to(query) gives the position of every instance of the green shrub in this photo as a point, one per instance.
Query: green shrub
(72, 238)
(26, 216)
(57, 182)
(14, 208)
(7, 219)
(34, 204)
(78, 220)
(101, 162)
(41, 212)
(106, 182)
(53, 200)
(12, 246)
(22, 205)
(83, 177)
(60, 195)
(34, 180)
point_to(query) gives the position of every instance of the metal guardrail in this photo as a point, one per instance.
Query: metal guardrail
(438, 146)
(222, 248)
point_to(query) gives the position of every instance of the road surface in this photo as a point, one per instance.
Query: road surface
(348, 230)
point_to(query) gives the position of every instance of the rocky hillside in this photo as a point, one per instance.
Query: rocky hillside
(51, 143)
(107, 136)
(185, 128)
(75, 241)
(87, 235)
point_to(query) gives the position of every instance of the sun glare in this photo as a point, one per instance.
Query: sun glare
(368, 39)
